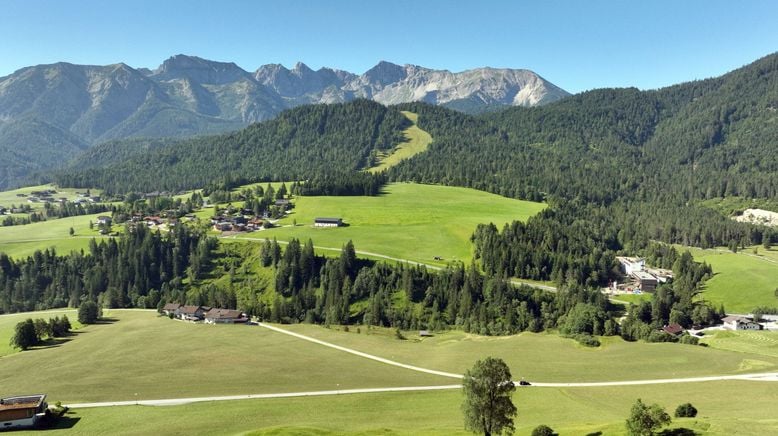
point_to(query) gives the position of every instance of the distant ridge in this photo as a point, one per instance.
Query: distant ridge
(48, 113)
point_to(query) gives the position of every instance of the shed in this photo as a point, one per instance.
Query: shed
(328, 222)
(22, 411)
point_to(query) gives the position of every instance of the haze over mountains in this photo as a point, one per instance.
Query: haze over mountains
(49, 113)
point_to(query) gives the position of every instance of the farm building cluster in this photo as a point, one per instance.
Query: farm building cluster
(232, 219)
(209, 315)
(639, 277)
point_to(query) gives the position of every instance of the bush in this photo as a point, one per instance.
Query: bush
(689, 339)
(88, 312)
(543, 430)
(584, 339)
(685, 410)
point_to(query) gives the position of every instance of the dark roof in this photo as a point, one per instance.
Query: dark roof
(673, 329)
(218, 313)
(189, 310)
(328, 220)
(171, 306)
(23, 402)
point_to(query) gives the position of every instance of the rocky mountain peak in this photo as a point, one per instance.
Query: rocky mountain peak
(198, 69)
(385, 73)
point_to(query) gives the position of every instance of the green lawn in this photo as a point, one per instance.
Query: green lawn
(572, 411)
(409, 221)
(563, 360)
(416, 141)
(146, 356)
(20, 241)
(741, 280)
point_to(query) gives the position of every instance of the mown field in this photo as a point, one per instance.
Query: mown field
(754, 342)
(742, 280)
(142, 356)
(547, 357)
(416, 141)
(410, 221)
(572, 411)
(145, 356)
(20, 241)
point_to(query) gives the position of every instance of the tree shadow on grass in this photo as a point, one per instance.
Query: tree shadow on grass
(50, 343)
(682, 431)
(106, 320)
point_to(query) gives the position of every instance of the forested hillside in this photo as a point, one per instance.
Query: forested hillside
(310, 142)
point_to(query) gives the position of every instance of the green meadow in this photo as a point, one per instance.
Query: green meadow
(548, 357)
(571, 411)
(8, 198)
(416, 141)
(20, 241)
(753, 342)
(742, 280)
(140, 355)
(409, 221)
(8, 323)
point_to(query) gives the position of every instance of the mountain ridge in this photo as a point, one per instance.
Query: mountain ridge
(189, 96)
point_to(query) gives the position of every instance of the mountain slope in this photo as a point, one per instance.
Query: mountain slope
(188, 96)
(297, 145)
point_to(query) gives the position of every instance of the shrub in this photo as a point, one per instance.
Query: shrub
(685, 410)
(88, 312)
(584, 339)
(543, 430)
(689, 339)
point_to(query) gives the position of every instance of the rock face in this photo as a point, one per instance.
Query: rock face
(55, 110)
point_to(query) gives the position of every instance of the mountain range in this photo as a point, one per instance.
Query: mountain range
(50, 113)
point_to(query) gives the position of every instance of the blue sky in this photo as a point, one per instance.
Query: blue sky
(577, 45)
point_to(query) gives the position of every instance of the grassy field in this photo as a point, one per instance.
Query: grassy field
(416, 141)
(8, 323)
(572, 411)
(409, 221)
(755, 342)
(7, 198)
(19, 241)
(563, 360)
(145, 356)
(741, 280)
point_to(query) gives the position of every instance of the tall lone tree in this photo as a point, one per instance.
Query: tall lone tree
(488, 407)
